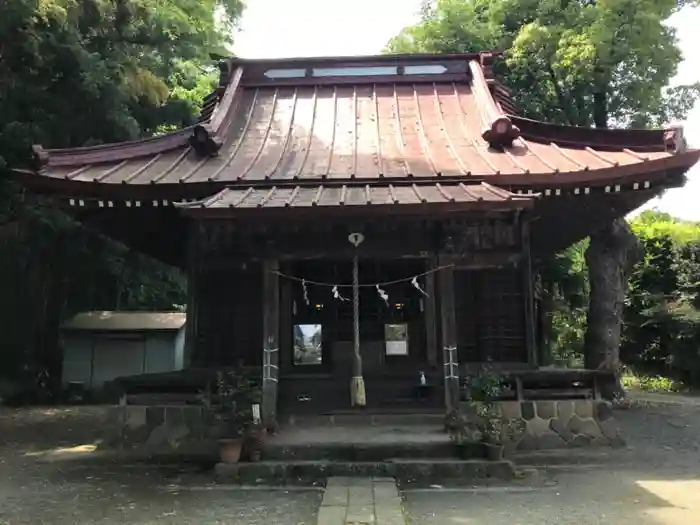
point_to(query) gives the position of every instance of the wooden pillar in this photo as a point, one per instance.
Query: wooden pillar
(449, 333)
(528, 295)
(271, 341)
(193, 270)
(431, 339)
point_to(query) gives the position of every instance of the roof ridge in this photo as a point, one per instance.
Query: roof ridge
(670, 139)
(498, 128)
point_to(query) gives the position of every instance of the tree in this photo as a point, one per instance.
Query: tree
(583, 63)
(76, 73)
(576, 62)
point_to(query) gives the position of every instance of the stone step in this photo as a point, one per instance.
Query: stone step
(369, 451)
(313, 472)
(364, 419)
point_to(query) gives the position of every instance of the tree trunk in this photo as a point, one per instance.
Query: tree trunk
(610, 256)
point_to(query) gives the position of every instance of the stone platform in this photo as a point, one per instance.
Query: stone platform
(404, 470)
(351, 440)
(552, 424)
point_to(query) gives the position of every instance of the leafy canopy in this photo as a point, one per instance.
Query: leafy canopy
(576, 62)
(82, 72)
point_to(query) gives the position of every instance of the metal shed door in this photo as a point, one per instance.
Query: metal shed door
(116, 357)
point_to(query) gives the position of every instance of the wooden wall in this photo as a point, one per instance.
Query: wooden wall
(490, 311)
(229, 316)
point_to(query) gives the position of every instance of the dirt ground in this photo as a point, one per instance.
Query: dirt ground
(654, 481)
(40, 484)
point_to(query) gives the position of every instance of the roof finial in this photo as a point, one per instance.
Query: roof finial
(204, 141)
(40, 157)
(674, 139)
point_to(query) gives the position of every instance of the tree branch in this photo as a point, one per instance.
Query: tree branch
(564, 104)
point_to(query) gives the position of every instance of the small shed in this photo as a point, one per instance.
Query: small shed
(100, 346)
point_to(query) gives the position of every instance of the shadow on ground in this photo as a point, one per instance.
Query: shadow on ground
(654, 481)
(39, 486)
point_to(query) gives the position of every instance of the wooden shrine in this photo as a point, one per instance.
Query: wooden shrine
(455, 196)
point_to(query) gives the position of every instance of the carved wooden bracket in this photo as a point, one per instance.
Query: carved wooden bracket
(40, 157)
(204, 141)
(480, 236)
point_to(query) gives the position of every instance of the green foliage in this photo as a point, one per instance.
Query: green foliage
(565, 297)
(650, 383)
(75, 73)
(571, 62)
(662, 320)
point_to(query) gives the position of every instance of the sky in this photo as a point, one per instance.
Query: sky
(282, 28)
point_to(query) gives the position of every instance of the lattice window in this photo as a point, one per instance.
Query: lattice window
(490, 316)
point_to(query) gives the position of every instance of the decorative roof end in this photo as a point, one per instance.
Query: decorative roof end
(204, 141)
(40, 157)
(501, 133)
(674, 139)
(225, 71)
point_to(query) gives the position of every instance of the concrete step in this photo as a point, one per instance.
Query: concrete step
(365, 419)
(369, 451)
(313, 472)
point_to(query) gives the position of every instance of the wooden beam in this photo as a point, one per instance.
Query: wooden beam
(449, 333)
(431, 339)
(528, 296)
(193, 269)
(271, 342)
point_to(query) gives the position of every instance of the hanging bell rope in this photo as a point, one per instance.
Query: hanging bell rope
(357, 384)
(357, 388)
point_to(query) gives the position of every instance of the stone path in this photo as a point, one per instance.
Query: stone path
(355, 501)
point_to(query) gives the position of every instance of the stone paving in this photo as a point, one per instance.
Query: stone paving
(361, 501)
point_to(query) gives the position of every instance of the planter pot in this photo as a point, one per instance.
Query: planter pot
(494, 452)
(254, 441)
(230, 450)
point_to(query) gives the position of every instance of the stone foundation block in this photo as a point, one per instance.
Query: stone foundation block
(549, 424)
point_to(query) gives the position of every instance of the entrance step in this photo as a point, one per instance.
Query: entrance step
(363, 419)
(314, 472)
(378, 442)
(365, 451)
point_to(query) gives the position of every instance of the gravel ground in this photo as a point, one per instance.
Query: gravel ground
(34, 491)
(655, 481)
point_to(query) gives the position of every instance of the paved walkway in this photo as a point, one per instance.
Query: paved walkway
(355, 501)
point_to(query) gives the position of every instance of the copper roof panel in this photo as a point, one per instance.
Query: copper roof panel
(388, 127)
(354, 196)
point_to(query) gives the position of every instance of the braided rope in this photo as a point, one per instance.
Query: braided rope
(363, 285)
(356, 315)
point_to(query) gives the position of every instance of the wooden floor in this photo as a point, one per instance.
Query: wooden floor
(386, 395)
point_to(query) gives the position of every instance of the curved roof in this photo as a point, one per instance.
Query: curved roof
(363, 120)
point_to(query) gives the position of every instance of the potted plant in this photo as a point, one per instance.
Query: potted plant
(256, 432)
(232, 408)
(464, 433)
(482, 391)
